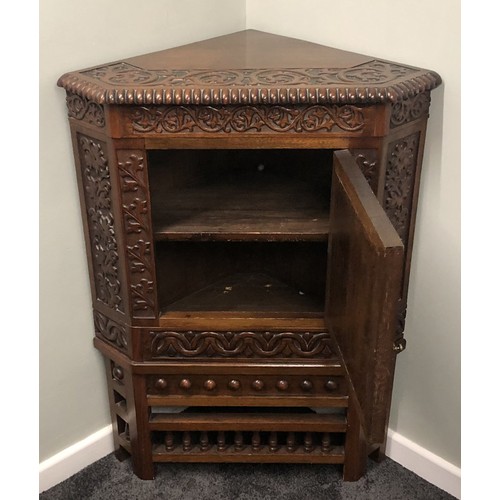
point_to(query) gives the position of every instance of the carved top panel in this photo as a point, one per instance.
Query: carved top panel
(249, 68)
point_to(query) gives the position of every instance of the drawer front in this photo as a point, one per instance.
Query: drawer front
(282, 344)
(216, 385)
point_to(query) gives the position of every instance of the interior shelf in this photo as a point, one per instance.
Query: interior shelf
(247, 292)
(257, 208)
(261, 195)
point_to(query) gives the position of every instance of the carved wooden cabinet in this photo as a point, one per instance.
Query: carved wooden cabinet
(249, 205)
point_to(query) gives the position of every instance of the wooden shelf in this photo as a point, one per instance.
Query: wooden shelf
(249, 292)
(253, 208)
(248, 422)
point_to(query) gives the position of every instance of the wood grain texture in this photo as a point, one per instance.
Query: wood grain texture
(228, 277)
(277, 70)
(366, 256)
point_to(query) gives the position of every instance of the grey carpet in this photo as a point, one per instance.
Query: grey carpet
(110, 479)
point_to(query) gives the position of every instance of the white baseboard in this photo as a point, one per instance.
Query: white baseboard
(75, 458)
(425, 464)
(400, 449)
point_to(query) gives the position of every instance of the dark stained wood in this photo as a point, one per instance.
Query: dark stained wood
(249, 292)
(249, 67)
(366, 256)
(248, 422)
(226, 276)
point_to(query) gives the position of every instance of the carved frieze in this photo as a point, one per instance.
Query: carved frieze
(175, 119)
(169, 344)
(402, 160)
(138, 236)
(111, 331)
(85, 110)
(103, 245)
(410, 109)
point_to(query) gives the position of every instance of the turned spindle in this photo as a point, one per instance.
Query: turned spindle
(308, 442)
(238, 440)
(204, 442)
(186, 441)
(325, 442)
(290, 441)
(221, 441)
(169, 441)
(256, 441)
(273, 441)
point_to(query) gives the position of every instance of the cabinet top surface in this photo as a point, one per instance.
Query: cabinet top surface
(249, 67)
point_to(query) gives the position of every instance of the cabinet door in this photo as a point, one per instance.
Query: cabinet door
(365, 264)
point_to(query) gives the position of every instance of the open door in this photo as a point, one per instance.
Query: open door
(365, 265)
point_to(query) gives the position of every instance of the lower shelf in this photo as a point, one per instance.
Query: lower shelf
(249, 292)
(334, 456)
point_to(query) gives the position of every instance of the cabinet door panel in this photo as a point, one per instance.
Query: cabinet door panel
(365, 264)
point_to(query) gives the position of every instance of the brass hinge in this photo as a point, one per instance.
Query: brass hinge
(399, 345)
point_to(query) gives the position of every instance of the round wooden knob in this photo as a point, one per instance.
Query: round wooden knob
(258, 385)
(161, 383)
(306, 385)
(331, 385)
(209, 385)
(118, 372)
(185, 384)
(234, 384)
(282, 385)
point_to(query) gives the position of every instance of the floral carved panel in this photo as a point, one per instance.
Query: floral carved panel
(234, 119)
(400, 174)
(101, 224)
(170, 344)
(138, 232)
(410, 109)
(83, 109)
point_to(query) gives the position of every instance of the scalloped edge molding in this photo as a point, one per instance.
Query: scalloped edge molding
(410, 455)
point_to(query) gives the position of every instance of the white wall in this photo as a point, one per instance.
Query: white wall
(425, 33)
(73, 401)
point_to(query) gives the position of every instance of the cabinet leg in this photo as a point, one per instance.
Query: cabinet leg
(121, 454)
(378, 455)
(355, 447)
(140, 435)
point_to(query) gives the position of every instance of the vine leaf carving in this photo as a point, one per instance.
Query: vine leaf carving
(138, 237)
(103, 244)
(85, 109)
(399, 181)
(175, 119)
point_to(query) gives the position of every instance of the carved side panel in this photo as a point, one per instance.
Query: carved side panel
(169, 344)
(137, 232)
(96, 185)
(112, 332)
(402, 158)
(83, 109)
(410, 109)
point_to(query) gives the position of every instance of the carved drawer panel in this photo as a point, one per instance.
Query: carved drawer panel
(215, 385)
(306, 345)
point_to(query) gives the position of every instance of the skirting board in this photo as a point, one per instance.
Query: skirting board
(400, 449)
(76, 457)
(425, 464)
